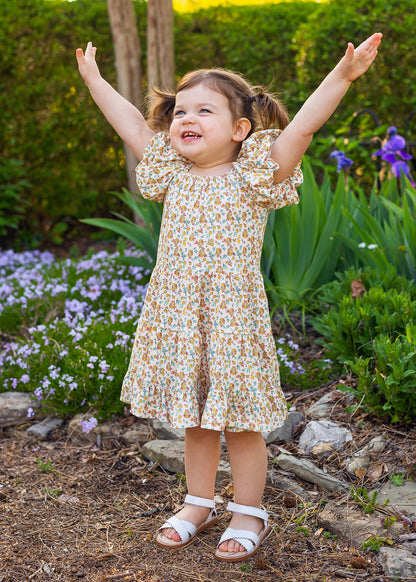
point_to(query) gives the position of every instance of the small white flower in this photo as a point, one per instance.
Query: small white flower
(362, 245)
(371, 247)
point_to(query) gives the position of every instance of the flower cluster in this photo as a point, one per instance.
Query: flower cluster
(78, 318)
(285, 356)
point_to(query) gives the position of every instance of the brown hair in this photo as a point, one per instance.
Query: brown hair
(261, 108)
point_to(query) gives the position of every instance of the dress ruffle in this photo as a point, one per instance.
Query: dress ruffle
(158, 167)
(256, 169)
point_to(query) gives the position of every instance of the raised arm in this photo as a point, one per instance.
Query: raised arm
(126, 119)
(295, 139)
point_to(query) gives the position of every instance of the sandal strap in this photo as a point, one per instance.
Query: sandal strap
(201, 501)
(249, 510)
(248, 539)
(185, 529)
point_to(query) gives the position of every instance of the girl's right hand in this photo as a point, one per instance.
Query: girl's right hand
(86, 63)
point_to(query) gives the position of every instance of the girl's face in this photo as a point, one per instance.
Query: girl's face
(203, 129)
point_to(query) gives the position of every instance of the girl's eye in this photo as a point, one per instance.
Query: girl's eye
(179, 113)
(204, 110)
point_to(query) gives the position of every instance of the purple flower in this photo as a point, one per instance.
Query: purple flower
(401, 167)
(343, 163)
(88, 425)
(393, 147)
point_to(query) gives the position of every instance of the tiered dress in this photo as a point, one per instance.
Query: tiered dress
(204, 353)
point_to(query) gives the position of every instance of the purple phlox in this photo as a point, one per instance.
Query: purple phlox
(343, 163)
(88, 425)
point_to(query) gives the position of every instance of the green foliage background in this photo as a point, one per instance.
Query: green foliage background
(72, 158)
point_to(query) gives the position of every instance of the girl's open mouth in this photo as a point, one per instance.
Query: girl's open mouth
(190, 135)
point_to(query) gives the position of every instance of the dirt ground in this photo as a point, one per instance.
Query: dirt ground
(70, 512)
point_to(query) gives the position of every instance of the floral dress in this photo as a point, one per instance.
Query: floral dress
(204, 354)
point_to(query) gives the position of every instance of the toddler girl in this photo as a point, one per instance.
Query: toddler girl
(204, 358)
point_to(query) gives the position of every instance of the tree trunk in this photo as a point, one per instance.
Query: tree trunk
(160, 46)
(128, 66)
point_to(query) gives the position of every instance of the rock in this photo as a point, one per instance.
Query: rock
(137, 435)
(170, 455)
(164, 431)
(286, 484)
(362, 458)
(42, 429)
(308, 471)
(97, 435)
(284, 432)
(397, 563)
(14, 407)
(323, 431)
(352, 525)
(223, 471)
(322, 407)
(401, 498)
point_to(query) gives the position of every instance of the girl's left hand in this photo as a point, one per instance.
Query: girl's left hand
(356, 61)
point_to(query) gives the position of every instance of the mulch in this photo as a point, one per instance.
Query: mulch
(70, 512)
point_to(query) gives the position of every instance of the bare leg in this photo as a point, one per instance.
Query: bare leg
(202, 453)
(248, 459)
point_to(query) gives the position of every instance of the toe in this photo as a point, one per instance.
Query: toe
(231, 546)
(171, 534)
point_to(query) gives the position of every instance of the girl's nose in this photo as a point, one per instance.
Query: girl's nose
(188, 118)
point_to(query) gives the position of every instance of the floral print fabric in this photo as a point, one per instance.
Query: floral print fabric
(204, 353)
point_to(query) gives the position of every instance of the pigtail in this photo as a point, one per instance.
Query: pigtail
(161, 109)
(271, 111)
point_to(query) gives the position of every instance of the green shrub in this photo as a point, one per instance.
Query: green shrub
(386, 382)
(257, 41)
(375, 336)
(13, 185)
(349, 325)
(324, 36)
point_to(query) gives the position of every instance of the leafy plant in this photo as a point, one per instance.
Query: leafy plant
(374, 543)
(375, 335)
(45, 466)
(364, 501)
(302, 247)
(397, 479)
(144, 238)
(386, 381)
(386, 227)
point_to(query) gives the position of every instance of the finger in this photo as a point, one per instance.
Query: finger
(350, 50)
(79, 54)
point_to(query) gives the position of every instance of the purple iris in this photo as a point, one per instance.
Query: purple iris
(343, 163)
(393, 147)
(401, 167)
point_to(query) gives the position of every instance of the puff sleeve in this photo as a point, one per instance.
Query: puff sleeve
(255, 168)
(158, 167)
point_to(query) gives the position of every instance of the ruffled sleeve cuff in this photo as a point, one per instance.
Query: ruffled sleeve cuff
(157, 168)
(256, 169)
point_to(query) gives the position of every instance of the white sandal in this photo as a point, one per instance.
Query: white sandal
(250, 540)
(186, 530)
